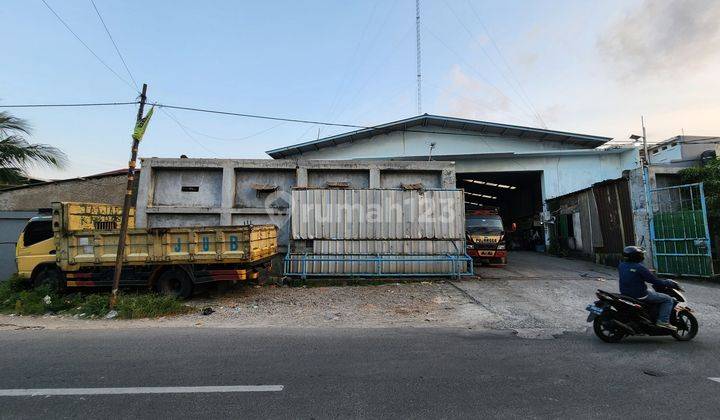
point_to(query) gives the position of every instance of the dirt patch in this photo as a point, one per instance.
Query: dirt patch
(423, 304)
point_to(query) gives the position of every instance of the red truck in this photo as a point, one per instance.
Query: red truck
(485, 237)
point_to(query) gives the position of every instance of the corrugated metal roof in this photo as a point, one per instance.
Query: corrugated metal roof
(474, 126)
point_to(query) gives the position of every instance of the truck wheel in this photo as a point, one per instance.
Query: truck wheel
(50, 277)
(175, 282)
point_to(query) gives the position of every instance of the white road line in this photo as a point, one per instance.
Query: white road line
(138, 390)
(715, 379)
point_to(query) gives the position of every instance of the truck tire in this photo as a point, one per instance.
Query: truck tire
(175, 282)
(51, 277)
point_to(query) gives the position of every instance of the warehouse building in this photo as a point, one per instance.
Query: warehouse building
(514, 168)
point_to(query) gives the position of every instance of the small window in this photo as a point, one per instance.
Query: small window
(664, 147)
(37, 231)
(192, 188)
(673, 144)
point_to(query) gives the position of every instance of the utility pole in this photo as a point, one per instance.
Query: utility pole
(417, 52)
(126, 204)
(645, 148)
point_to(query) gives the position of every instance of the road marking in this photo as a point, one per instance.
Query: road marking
(138, 390)
(715, 379)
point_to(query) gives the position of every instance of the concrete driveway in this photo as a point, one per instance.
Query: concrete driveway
(541, 292)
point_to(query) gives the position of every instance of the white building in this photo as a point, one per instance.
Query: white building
(511, 167)
(683, 150)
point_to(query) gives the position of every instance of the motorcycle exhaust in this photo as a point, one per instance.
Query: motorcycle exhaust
(628, 329)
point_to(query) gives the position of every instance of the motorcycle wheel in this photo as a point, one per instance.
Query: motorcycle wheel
(606, 331)
(687, 326)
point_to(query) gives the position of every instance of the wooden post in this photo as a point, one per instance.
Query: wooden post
(126, 205)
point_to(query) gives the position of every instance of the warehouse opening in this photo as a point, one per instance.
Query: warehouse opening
(515, 196)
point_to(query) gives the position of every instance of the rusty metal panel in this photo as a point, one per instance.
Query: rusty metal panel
(378, 214)
(615, 215)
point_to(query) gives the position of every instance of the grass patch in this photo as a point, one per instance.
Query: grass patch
(17, 297)
(150, 305)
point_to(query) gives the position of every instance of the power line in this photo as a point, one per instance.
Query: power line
(354, 68)
(68, 105)
(238, 114)
(262, 117)
(86, 46)
(502, 57)
(484, 79)
(482, 48)
(255, 134)
(184, 130)
(117, 50)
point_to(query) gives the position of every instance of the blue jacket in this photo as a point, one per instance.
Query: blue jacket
(633, 277)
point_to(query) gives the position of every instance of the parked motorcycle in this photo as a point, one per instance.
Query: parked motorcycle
(615, 316)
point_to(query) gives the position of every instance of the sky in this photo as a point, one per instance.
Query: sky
(582, 66)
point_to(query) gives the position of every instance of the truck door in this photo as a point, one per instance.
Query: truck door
(35, 246)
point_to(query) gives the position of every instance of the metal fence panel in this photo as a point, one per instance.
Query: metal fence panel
(377, 214)
(377, 232)
(679, 231)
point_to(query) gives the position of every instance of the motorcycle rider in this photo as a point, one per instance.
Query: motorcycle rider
(633, 278)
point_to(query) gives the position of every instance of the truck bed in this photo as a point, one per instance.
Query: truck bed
(78, 249)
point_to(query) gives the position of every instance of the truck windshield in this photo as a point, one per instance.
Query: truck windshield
(484, 225)
(37, 231)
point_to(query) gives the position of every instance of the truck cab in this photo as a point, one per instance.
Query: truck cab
(35, 247)
(485, 237)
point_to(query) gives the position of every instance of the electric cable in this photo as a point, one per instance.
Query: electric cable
(89, 104)
(117, 50)
(502, 57)
(86, 46)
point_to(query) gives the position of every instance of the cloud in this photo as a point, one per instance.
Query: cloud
(469, 97)
(662, 37)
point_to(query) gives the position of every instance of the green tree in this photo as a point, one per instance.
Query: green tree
(17, 155)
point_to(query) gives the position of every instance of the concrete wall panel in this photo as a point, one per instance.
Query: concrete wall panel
(319, 178)
(188, 187)
(247, 197)
(395, 179)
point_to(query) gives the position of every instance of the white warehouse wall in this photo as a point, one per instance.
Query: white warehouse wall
(566, 167)
(561, 173)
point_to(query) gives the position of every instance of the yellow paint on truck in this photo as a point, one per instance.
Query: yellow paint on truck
(84, 237)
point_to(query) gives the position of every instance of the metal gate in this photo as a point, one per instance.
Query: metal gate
(679, 231)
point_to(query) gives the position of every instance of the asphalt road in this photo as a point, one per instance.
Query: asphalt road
(357, 373)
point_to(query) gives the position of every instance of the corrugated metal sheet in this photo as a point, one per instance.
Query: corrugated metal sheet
(377, 214)
(377, 232)
(615, 214)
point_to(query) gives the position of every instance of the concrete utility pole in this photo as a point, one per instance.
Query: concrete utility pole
(126, 204)
(647, 155)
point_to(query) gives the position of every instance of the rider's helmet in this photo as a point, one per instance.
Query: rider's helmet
(633, 254)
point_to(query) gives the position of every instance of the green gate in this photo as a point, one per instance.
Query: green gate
(679, 231)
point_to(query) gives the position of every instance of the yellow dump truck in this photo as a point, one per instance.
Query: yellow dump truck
(76, 245)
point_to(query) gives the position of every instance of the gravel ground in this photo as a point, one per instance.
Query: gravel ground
(536, 295)
(541, 292)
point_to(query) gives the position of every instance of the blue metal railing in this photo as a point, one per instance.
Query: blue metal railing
(297, 265)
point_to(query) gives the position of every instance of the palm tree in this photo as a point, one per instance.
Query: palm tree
(17, 155)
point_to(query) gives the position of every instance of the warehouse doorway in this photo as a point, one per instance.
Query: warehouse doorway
(517, 196)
